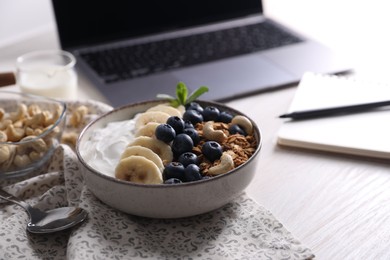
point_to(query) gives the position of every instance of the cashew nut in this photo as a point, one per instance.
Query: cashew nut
(14, 134)
(244, 122)
(54, 117)
(54, 132)
(78, 116)
(3, 136)
(30, 143)
(2, 113)
(224, 166)
(32, 131)
(20, 113)
(4, 153)
(22, 160)
(211, 134)
(47, 118)
(7, 164)
(33, 109)
(36, 120)
(35, 156)
(38, 144)
(5, 123)
(70, 138)
(18, 124)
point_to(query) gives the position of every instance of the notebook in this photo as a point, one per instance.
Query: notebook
(364, 134)
(229, 46)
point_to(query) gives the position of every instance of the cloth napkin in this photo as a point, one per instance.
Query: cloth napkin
(241, 229)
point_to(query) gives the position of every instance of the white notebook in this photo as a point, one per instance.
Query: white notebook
(364, 133)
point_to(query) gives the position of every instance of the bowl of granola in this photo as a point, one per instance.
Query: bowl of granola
(159, 159)
(30, 130)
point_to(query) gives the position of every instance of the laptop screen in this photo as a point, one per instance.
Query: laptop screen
(84, 23)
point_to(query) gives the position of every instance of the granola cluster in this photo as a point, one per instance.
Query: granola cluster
(239, 147)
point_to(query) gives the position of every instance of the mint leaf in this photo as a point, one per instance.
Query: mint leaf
(182, 97)
(197, 93)
(181, 92)
(174, 103)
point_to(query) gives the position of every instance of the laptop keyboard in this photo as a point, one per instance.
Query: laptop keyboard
(129, 62)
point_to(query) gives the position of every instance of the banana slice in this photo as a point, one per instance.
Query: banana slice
(151, 116)
(182, 109)
(147, 130)
(166, 108)
(138, 169)
(162, 149)
(144, 152)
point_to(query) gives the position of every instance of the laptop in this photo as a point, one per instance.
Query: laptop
(133, 50)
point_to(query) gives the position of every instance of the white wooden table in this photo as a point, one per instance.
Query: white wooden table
(337, 205)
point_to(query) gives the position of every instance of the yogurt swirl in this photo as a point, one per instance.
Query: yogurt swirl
(105, 145)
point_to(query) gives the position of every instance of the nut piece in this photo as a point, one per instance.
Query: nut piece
(36, 120)
(14, 134)
(54, 116)
(5, 123)
(7, 164)
(244, 122)
(33, 109)
(3, 136)
(78, 115)
(224, 166)
(22, 160)
(37, 145)
(211, 134)
(35, 156)
(4, 153)
(70, 138)
(19, 114)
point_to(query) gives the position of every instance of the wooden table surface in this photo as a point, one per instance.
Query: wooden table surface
(337, 205)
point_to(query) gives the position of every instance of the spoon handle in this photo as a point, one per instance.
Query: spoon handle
(9, 197)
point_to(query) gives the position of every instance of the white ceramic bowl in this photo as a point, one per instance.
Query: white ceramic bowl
(29, 137)
(164, 200)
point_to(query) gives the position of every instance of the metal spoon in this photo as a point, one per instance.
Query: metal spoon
(51, 220)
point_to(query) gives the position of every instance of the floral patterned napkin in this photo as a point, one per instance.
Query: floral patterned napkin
(240, 230)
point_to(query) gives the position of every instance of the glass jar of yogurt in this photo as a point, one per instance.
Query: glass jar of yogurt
(49, 73)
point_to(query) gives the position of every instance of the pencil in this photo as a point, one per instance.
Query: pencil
(317, 113)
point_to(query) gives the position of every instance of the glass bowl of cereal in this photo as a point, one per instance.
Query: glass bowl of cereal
(30, 130)
(154, 160)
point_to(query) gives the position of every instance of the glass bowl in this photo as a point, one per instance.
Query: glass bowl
(30, 130)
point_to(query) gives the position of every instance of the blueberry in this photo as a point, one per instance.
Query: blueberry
(172, 181)
(192, 173)
(191, 132)
(193, 116)
(236, 129)
(225, 117)
(194, 106)
(188, 158)
(212, 150)
(174, 170)
(188, 124)
(210, 113)
(181, 144)
(165, 133)
(177, 123)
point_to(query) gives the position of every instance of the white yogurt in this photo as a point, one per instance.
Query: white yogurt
(105, 146)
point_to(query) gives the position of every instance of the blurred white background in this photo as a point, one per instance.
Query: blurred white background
(21, 19)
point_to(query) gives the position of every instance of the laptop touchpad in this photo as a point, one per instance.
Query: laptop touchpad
(231, 77)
